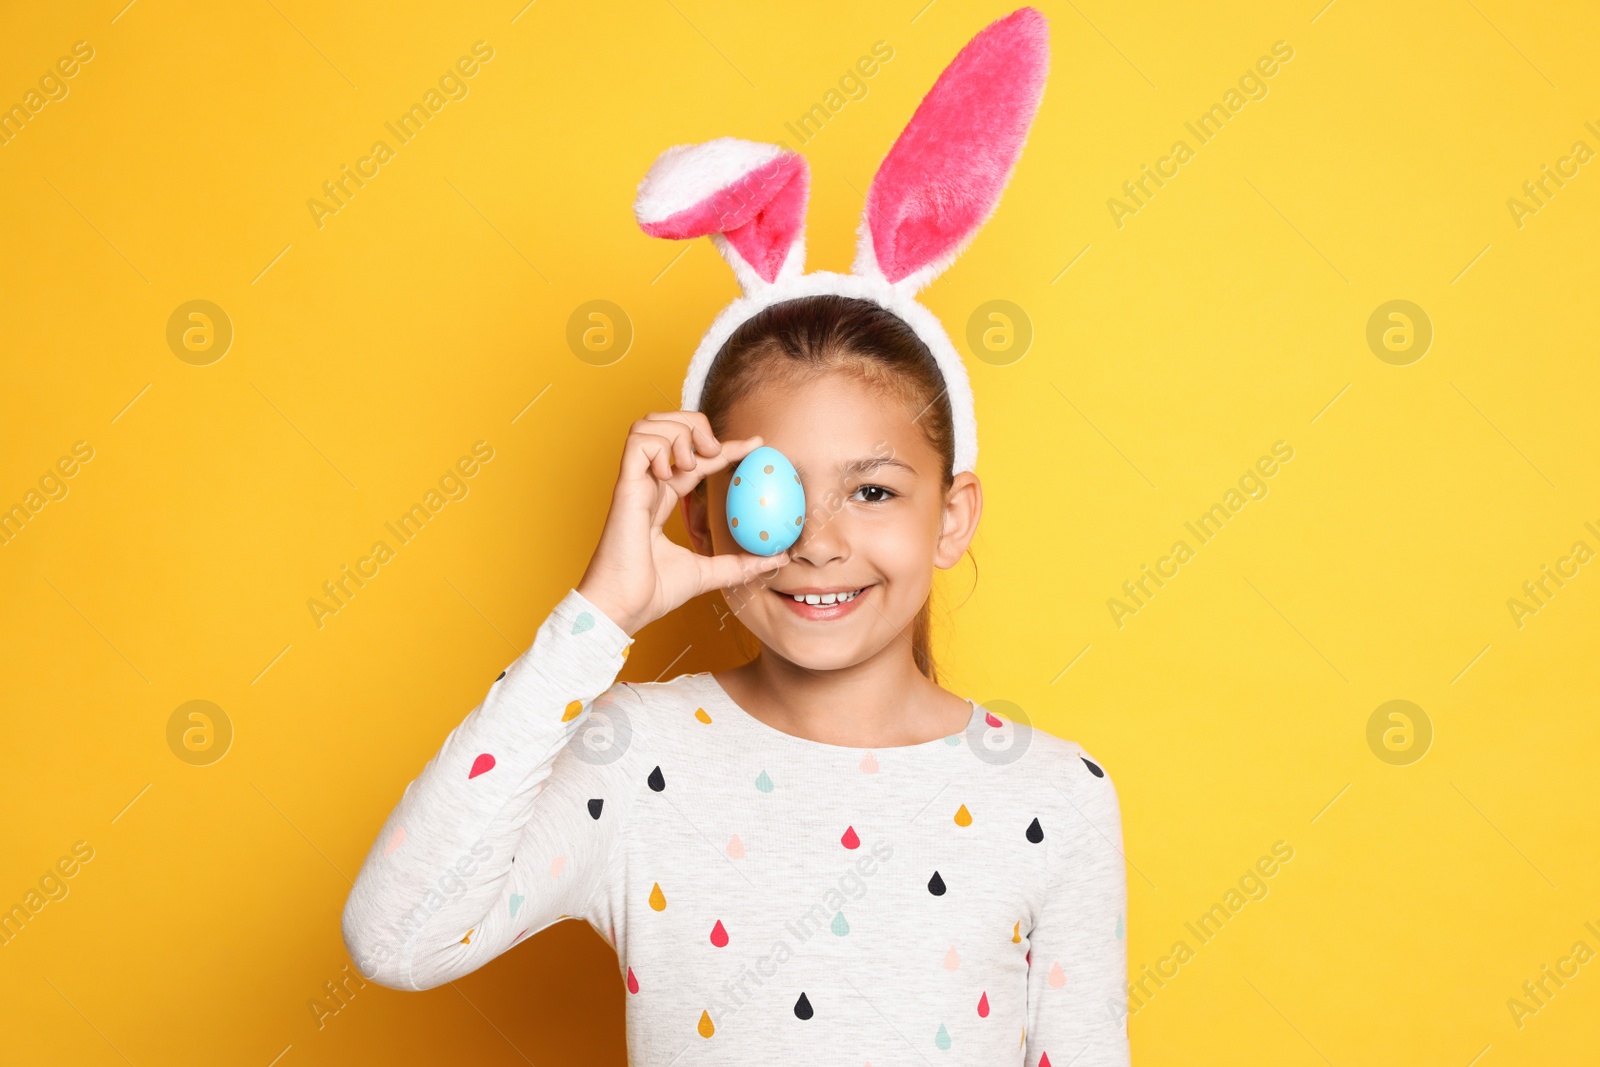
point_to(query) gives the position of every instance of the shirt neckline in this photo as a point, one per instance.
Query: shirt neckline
(722, 697)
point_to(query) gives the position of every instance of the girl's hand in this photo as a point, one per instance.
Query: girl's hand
(637, 574)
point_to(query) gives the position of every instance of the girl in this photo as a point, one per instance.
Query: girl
(821, 854)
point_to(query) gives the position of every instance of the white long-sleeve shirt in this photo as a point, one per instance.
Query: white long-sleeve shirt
(771, 899)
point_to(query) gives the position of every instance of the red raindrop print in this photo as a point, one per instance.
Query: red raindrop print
(989, 718)
(482, 764)
(719, 936)
(1044, 1059)
(850, 840)
(633, 983)
(983, 1006)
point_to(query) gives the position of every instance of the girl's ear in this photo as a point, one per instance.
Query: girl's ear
(749, 198)
(963, 507)
(696, 520)
(942, 179)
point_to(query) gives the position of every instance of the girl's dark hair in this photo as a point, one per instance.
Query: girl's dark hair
(799, 338)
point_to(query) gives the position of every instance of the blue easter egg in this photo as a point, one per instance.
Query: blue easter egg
(766, 504)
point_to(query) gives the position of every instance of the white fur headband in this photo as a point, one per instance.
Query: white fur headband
(935, 189)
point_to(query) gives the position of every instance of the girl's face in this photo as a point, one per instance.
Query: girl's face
(878, 520)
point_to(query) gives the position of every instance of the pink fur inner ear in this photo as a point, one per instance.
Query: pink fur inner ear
(761, 215)
(944, 175)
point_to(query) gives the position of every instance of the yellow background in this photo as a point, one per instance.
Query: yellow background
(369, 354)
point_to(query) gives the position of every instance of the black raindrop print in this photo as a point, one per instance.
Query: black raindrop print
(1035, 832)
(936, 885)
(656, 781)
(1093, 768)
(502, 675)
(595, 806)
(802, 1008)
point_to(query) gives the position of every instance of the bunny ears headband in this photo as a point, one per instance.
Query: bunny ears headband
(936, 188)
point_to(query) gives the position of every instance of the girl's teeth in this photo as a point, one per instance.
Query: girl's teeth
(825, 598)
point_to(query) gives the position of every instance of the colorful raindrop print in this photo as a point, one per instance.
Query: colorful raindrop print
(705, 1027)
(983, 1006)
(936, 885)
(700, 713)
(989, 717)
(952, 959)
(1094, 768)
(942, 1038)
(583, 622)
(595, 805)
(396, 839)
(574, 709)
(1057, 977)
(840, 926)
(1035, 832)
(482, 765)
(656, 781)
(735, 848)
(963, 816)
(719, 935)
(763, 783)
(850, 840)
(869, 764)
(633, 981)
(516, 902)
(802, 1008)
(658, 899)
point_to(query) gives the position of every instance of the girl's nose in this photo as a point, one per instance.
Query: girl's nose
(822, 538)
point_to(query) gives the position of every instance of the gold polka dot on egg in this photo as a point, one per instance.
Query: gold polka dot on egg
(767, 469)
(763, 535)
(736, 480)
(735, 522)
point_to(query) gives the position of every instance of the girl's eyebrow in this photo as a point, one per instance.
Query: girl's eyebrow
(866, 465)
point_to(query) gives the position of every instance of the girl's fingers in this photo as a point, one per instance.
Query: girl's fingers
(679, 433)
(647, 452)
(705, 442)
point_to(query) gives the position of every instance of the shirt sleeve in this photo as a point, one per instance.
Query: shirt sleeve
(1078, 961)
(506, 830)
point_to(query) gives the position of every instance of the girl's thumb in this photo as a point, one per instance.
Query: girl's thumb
(744, 567)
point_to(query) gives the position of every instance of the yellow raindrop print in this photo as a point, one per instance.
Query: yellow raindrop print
(705, 1027)
(1016, 933)
(468, 939)
(658, 899)
(573, 710)
(963, 816)
(700, 713)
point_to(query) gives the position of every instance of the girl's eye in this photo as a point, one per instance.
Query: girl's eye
(882, 493)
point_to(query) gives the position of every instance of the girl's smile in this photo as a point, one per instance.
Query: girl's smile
(822, 605)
